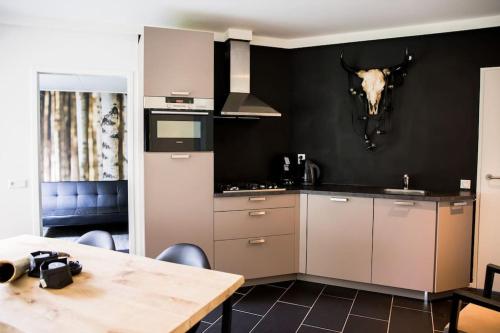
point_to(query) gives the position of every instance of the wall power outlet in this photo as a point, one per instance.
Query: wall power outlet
(465, 184)
(300, 158)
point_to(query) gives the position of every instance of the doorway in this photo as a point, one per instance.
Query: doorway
(488, 177)
(83, 151)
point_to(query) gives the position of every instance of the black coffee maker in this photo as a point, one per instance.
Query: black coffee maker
(288, 171)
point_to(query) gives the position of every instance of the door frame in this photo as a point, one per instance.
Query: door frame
(135, 222)
(479, 179)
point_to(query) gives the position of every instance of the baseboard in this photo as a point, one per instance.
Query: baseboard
(348, 284)
(271, 279)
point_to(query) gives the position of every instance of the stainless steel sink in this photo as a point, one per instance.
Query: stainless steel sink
(404, 192)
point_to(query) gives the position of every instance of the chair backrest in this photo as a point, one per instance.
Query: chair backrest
(84, 194)
(98, 238)
(185, 254)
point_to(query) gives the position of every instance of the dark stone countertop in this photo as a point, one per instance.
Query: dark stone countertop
(358, 191)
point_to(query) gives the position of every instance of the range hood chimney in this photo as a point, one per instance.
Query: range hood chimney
(240, 102)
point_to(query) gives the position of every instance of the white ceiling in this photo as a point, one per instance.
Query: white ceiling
(82, 83)
(284, 19)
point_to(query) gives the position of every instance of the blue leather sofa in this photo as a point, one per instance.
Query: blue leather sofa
(84, 203)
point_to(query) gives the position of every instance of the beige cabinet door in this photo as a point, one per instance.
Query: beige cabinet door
(178, 63)
(339, 237)
(488, 176)
(178, 195)
(404, 244)
(453, 245)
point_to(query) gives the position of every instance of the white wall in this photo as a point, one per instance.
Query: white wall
(23, 50)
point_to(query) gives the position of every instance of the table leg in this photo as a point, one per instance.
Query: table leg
(227, 314)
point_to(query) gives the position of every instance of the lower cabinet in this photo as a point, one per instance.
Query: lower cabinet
(404, 236)
(256, 257)
(255, 235)
(339, 232)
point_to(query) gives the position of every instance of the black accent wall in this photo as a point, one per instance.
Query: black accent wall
(434, 125)
(245, 149)
(435, 119)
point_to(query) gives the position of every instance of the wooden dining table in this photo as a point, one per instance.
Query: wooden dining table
(116, 292)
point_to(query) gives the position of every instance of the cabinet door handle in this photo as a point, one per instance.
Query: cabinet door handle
(457, 204)
(404, 203)
(180, 156)
(259, 213)
(491, 177)
(256, 241)
(257, 199)
(181, 93)
(339, 199)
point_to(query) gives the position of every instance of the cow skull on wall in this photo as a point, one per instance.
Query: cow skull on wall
(376, 89)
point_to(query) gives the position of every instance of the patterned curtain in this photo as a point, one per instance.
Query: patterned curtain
(83, 136)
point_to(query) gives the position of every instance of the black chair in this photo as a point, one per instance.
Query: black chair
(192, 255)
(98, 238)
(482, 312)
(185, 254)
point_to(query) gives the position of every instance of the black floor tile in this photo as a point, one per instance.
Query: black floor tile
(372, 305)
(309, 329)
(282, 318)
(244, 290)
(410, 321)
(282, 284)
(340, 292)
(259, 300)
(215, 314)
(357, 324)
(303, 293)
(441, 313)
(240, 323)
(202, 327)
(411, 303)
(329, 312)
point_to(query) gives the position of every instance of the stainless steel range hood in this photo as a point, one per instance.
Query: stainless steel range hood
(240, 102)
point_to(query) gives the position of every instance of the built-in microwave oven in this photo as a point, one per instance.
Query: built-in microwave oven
(174, 124)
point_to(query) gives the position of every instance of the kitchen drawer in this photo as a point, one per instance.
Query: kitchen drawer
(255, 202)
(256, 257)
(253, 223)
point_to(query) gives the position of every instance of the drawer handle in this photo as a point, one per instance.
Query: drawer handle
(404, 203)
(259, 213)
(339, 199)
(461, 203)
(181, 93)
(180, 156)
(256, 241)
(257, 199)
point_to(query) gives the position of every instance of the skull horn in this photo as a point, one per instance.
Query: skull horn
(406, 61)
(347, 67)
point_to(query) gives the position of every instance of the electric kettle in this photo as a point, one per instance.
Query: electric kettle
(311, 173)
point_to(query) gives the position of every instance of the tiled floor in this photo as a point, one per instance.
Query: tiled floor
(305, 307)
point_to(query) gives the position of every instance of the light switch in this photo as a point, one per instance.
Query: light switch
(465, 184)
(17, 183)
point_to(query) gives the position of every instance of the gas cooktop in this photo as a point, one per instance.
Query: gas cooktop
(249, 187)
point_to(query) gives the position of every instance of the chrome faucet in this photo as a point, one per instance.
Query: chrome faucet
(406, 181)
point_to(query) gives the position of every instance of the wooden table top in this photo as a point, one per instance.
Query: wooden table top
(116, 292)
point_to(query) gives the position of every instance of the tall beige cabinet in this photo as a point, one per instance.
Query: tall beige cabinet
(178, 200)
(178, 186)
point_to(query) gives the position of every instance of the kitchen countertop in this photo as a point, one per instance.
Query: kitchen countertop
(357, 191)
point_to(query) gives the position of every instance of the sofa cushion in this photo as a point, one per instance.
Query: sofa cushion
(84, 202)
